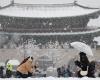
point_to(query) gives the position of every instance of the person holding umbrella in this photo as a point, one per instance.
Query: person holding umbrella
(83, 64)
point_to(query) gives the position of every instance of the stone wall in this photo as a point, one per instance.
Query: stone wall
(59, 56)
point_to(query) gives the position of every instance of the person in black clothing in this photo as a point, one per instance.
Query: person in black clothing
(83, 64)
(91, 69)
(63, 71)
(59, 72)
(66, 72)
(1, 71)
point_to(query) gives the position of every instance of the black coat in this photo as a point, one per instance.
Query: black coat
(1, 71)
(83, 63)
(91, 70)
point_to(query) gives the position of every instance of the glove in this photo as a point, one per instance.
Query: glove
(78, 63)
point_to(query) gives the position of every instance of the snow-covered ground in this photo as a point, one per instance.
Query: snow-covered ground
(52, 78)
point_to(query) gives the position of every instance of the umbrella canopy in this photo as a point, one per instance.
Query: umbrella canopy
(82, 47)
(13, 62)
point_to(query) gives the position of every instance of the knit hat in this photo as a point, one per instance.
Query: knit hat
(30, 58)
(82, 53)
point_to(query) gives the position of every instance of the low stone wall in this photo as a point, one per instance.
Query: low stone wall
(59, 56)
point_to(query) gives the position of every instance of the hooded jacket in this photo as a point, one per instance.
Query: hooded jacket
(26, 67)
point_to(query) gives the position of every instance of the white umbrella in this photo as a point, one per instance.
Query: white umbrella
(82, 47)
(13, 62)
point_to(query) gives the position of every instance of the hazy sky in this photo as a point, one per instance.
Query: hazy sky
(91, 3)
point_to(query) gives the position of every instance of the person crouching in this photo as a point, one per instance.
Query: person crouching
(25, 69)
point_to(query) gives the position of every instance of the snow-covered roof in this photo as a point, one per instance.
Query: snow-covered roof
(94, 22)
(42, 1)
(90, 3)
(46, 10)
(97, 39)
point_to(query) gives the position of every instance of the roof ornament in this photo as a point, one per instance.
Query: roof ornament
(75, 2)
(12, 1)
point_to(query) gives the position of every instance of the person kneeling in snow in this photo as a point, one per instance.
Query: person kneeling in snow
(26, 68)
(9, 69)
(83, 64)
(91, 69)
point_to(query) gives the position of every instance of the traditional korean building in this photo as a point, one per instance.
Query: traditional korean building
(49, 21)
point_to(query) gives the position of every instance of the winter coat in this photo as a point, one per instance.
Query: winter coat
(9, 67)
(26, 67)
(1, 71)
(59, 72)
(91, 70)
(68, 73)
(9, 70)
(83, 63)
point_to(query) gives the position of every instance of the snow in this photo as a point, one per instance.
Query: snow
(94, 23)
(97, 39)
(4, 2)
(54, 33)
(13, 62)
(43, 1)
(44, 12)
(90, 3)
(52, 78)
